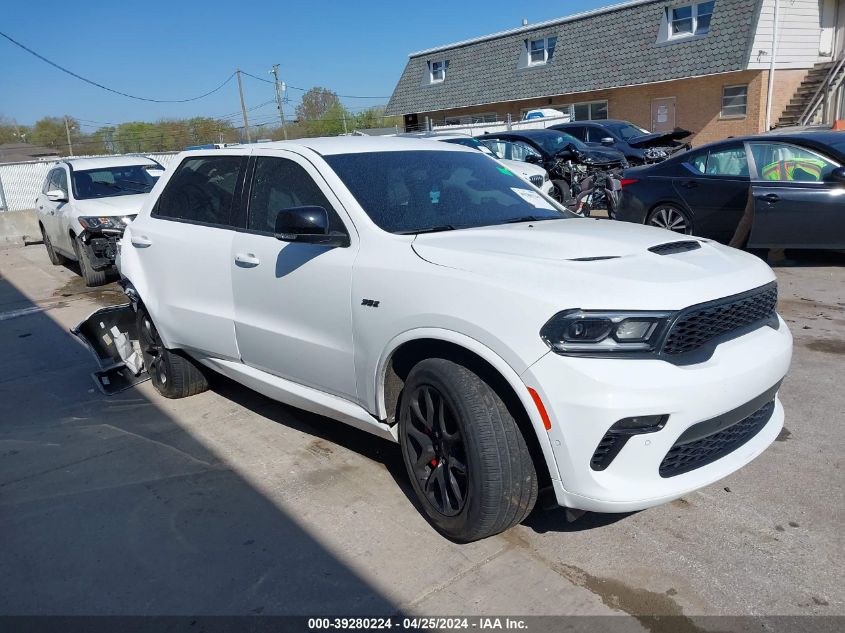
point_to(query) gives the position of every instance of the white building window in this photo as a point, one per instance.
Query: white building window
(438, 71)
(583, 111)
(690, 19)
(734, 101)
(541, 51)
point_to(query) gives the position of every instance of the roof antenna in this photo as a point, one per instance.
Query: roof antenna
(524, 22)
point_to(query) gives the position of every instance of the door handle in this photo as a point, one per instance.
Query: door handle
(141, 241)
(690, 184)
(769, 197)
(247, 260)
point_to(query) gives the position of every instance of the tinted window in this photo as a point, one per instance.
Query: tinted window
(202, 190)
(783, 162)
(60, 180)
(280, 184)
(577, 132)
(554, 142)
(48, 181)
(698, 162)
(409, 191)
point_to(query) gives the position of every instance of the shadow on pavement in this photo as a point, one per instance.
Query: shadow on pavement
(109, 506)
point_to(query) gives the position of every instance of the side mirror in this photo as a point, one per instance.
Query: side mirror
(533, 159)
(608, 140)
(838, 175)
(56, 195)
(307, 225)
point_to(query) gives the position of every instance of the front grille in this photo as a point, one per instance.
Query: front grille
(537, 181)
(670, 248)
(683, 458)
(696, 326)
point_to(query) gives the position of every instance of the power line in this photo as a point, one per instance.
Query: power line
(267, 81)
(99, 85)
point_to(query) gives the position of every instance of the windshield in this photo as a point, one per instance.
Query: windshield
(552, 143)
(631, 131)
(419, 191)
(113, 181)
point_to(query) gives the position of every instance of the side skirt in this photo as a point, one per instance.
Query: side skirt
(301, 397)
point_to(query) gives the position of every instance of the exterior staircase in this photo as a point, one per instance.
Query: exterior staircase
(804, 95)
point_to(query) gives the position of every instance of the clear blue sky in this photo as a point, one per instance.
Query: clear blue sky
(183, 48)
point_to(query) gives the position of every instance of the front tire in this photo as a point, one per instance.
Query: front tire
(468, 462)
(671, 218)
(92, 277)
(173, 374)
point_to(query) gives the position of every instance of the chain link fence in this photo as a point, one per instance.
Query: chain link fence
(20, 183)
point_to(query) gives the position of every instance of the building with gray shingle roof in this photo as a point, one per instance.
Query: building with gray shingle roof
(659, 63)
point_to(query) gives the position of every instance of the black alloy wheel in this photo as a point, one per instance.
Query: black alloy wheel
(436, 451)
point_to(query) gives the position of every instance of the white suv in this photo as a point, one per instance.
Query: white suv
(84, 205)
(422, 292)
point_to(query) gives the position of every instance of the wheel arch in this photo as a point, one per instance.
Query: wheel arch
(411, 347)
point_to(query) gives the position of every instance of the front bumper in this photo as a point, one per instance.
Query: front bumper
(586, 396)
(102, 247)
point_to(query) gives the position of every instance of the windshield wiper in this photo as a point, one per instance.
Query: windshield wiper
(430, 229)
(119, 188)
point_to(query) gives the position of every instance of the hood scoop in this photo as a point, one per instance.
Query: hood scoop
(594, 259)
(671, 248)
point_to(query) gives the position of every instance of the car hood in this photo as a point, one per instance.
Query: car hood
(658, 138)
(114, 205)
(526, 169)
(596, 264)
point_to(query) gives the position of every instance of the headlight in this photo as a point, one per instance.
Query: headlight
(106, 222)
(588, 333)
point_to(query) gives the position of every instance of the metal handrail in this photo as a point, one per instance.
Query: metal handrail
(822, 91)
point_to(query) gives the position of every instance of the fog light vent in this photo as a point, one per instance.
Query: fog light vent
(618, 435)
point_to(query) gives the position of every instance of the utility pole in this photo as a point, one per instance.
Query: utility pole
(67, 131)
(275, 72)
(345, 131)
(243, 107)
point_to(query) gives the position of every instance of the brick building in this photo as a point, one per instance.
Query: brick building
(703, 66)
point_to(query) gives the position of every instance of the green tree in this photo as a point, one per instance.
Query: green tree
(50, 132)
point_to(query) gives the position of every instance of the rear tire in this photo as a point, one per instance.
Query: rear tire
(468, 462)
(92, 277)
(172, 373)
(671, 218)
(55, 258)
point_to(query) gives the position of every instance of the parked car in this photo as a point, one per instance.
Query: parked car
(421, 292)
(796, 179)
(569, 161)
(535, 174)
(544, 113)
(84, 206)
(639, 146)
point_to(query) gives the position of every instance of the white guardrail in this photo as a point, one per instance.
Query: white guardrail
(20, 183)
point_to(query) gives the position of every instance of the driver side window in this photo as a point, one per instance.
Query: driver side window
(280, 184)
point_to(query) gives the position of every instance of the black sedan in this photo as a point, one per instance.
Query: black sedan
(639, 146)
(789, 187)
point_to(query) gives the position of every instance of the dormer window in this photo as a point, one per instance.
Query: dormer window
(541, 51)
(692, 19)
(438, 71)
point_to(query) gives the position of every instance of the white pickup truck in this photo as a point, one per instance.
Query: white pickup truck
(424, 293)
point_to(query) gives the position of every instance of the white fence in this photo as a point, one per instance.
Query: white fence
(476, 129)
(20, 183)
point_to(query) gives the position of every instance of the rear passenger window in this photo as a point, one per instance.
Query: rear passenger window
(202, 190)
(280, 184)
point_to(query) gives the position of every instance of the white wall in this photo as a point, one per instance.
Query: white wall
(804, 26)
